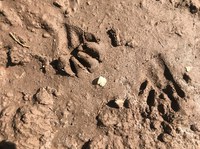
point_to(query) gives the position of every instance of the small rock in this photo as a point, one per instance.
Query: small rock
(101, 81)
(26, 97)
(131, 44)
(188, 68)
(155, 125)
(166, 137)
(9, 94)
(119, 102)
(43, 97)
(45, 35)
(88, 3)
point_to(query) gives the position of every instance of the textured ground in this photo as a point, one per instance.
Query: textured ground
(52, 52)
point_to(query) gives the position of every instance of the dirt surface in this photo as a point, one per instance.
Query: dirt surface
(52, 53)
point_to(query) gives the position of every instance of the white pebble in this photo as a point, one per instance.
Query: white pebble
(188, 68)
(102, 81)
(119, 102)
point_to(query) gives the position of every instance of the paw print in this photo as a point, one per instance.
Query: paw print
(86, 52)
(163, 97)
(162, 86)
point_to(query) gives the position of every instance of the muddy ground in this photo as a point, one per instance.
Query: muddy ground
(52, 53)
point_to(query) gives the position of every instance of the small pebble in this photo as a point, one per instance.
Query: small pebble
(88, 3)
(119, 102)
(131, 44)
(166, 138)
(188, 68)
(45, 35)
(155, 125)
(9, 94)
(101, 81)
(27, 97)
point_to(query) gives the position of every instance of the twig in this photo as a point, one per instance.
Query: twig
(18, 41)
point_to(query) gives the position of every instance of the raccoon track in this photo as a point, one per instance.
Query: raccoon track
(73, 50)
(85, 52)
(160, 90)
(162, 97)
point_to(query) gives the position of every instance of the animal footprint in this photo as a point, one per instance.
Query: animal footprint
(161, 90)
(163, 98)
(85, 52)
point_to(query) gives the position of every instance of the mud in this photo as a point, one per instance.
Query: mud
(53, 51)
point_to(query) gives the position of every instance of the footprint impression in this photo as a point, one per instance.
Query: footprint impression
(85, 52)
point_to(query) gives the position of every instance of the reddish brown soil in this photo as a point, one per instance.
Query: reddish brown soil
(53, 51)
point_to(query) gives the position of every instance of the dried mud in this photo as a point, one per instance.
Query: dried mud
(53, 51)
